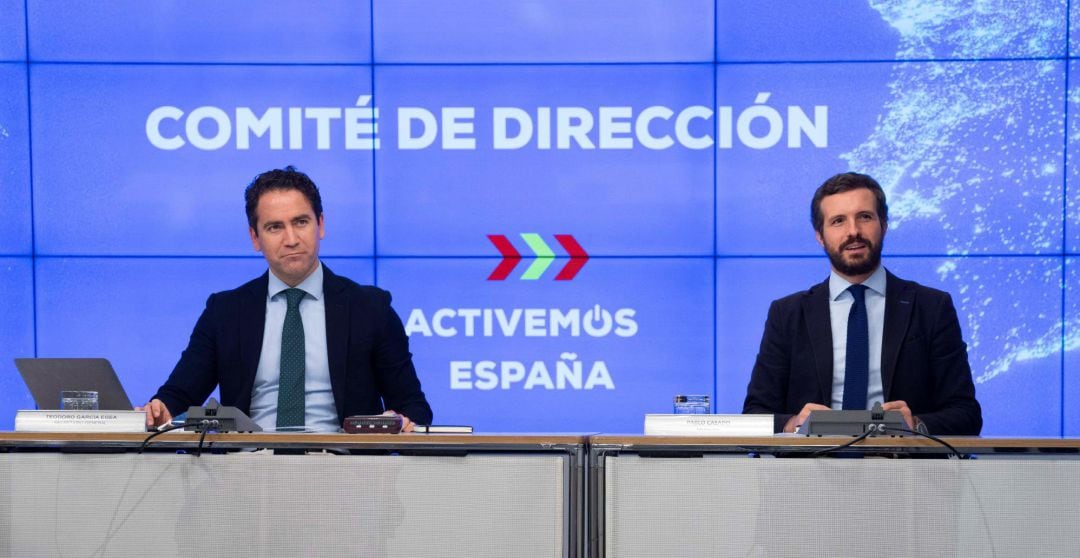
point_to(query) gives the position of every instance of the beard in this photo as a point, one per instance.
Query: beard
(858, 266)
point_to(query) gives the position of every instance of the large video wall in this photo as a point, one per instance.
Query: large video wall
(651, 161)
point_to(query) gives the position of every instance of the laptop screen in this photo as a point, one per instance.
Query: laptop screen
(47, 377)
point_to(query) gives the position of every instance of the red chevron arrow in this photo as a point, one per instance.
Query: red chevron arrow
(578, 257)
(511, 257)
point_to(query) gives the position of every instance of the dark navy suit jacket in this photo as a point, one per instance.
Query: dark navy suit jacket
(923, 358)
(371, 368)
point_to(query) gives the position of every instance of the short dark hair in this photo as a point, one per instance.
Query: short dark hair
(844, 182)
(287, 178)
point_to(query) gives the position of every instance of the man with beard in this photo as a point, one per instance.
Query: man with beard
(863, 336)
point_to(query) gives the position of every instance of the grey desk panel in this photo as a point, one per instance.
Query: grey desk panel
(713, 506)
(245, 504)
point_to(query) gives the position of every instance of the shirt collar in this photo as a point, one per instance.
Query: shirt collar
(838, 285)
(313, 285)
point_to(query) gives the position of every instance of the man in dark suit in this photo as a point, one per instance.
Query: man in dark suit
(299, 347)
(864, 336)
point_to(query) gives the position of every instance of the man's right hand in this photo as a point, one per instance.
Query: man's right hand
(157, 413)
(796, 421)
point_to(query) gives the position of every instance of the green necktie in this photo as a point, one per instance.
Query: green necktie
(291, 391)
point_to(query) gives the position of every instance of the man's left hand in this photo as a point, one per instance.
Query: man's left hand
(406, 424)
(904, 410)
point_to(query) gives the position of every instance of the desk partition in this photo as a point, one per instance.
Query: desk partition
(687, 497)
(532, 495)
(408, 496)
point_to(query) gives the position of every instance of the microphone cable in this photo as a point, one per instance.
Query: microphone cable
(882, 429)
(161, 431)
(853, 441)
(202, 426)
(929, 436)
(205, 426)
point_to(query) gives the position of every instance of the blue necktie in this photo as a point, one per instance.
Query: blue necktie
(291, 393)
(857, 364)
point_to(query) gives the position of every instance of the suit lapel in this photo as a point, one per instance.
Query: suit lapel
(899, 301)
(336, 305)
(819, 330)
(251, 326)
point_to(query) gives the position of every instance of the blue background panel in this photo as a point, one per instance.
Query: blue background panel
(962, 149)
(1071, 341)
(763, 195)
(783, 30)
(139, 312)
(1010, 314)
(12, 30)
(745, 287)
(15, 226)
(16, 335)
(1008, 311)
(284, 31)
(957, 108)
(550, 31)
(1072, 213)
(669, 353)
(636, 201)
(800, 30)
(1074, 28)
(118, 194)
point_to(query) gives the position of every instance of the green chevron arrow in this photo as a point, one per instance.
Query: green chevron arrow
(544, 256)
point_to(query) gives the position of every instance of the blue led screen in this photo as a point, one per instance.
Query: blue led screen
(12, 30)
(242, 31)
(16, 333)
(1074, 28)
(15, 227)
(961, 149)
(675, 145)
(498, 178)
(804, 30)
(155, 125)
(1010, 312)
(1071, 343)
(744, 289)
(1072, 200)
(570, 351)
(849, 30)
(551, 31)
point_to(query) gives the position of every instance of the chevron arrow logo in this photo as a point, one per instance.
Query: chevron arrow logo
(543, 257)
(511, 257)
(578, 257)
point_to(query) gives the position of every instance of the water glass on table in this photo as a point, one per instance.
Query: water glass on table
(79, 400)
(692, 405)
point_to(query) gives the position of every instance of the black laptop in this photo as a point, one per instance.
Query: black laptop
(47, 377)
